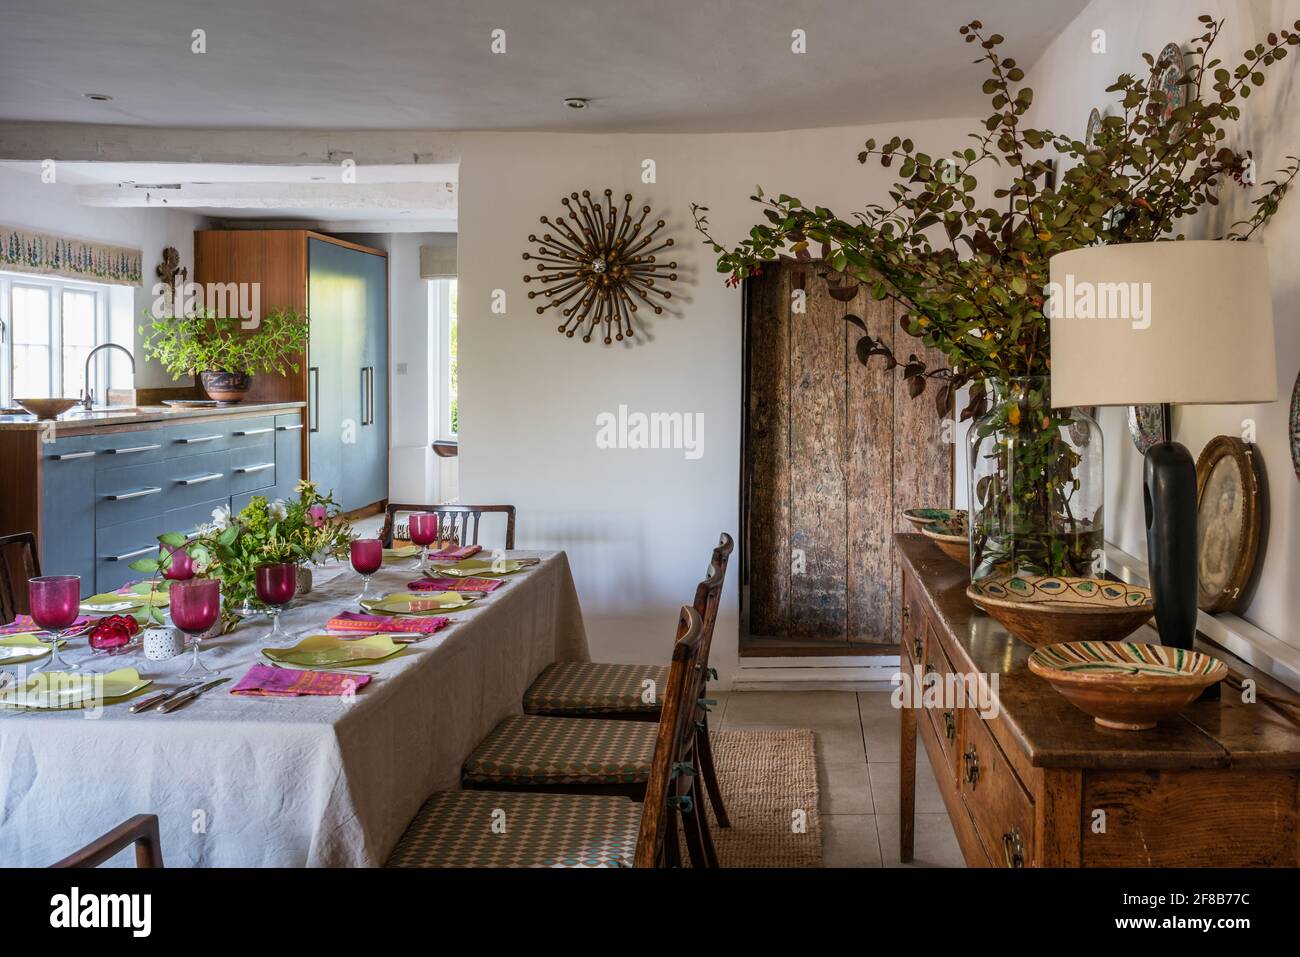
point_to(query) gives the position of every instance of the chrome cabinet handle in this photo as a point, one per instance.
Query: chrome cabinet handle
(255, 468)
(255, 431)
(290, 428)
(200, 438)
(133, 448)
(200, 479)
(139, 551)
(138, 493)
(315, 402)
(371, 381)
(67, 456)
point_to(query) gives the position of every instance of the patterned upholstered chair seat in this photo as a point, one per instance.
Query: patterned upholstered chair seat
(583, 687)
(533, 750)
(519, 829)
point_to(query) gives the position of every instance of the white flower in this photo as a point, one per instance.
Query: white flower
(278, 510)
(221, 517)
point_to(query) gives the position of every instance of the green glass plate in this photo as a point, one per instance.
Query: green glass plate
(17, 649)
(482, 568)
(53, 690)
(333, 650)
(425, 603)
(402, 551)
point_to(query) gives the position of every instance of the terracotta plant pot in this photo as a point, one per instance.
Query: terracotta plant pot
(1126, 685)
(226, 387)
(1044, 610)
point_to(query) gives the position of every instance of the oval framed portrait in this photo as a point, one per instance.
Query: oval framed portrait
(1227, 521)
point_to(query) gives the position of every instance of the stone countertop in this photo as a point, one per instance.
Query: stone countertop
(78, 421)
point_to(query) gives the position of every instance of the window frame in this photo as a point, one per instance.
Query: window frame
(55, 286)
(440, 334)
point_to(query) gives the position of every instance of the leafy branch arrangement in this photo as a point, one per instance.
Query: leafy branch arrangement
(205, 342)
(970, 277)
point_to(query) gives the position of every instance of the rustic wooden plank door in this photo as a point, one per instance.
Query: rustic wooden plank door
(833, 451)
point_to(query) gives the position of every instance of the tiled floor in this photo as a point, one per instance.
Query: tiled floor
(857, 772)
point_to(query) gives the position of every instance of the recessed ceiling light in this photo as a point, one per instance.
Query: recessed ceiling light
(97, 97)
(576, 102)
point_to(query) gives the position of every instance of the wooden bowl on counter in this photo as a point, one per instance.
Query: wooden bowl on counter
(47, 408)
(951, 536)
(1047, 609)
(921, 517)
(1126, 685)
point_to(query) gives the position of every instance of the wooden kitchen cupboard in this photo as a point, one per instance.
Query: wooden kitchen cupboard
(343, 288)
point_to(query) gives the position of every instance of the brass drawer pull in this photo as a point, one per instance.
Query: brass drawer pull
(949, 725)
(917, 649)
(1013, 847)
(972, 762)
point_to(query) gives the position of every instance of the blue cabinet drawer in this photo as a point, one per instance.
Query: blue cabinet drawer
(253, 467)
(196, 478)
(189, 517)
(117, 546)
(195, 438)
(68, 509)
(129, 493)
(121, 449)
(245, 432)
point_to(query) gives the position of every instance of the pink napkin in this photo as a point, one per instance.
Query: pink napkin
(370, 624)
(268, 682)
(455, 584)
(456, 553)
(23, 624)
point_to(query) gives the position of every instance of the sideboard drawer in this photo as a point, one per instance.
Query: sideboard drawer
(120, 449)
(252, 431)
(126, 494)
(999, 805)
(252, 467)
(945, 716)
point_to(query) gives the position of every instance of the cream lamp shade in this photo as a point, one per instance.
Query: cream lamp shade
(437, 262)
(1167, 322)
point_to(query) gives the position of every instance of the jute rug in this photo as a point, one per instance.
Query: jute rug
(769, 787)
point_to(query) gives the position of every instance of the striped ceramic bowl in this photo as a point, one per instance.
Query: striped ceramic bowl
(1126, 684)
(1047, 609)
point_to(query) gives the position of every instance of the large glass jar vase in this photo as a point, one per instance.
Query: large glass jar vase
(1037, 485)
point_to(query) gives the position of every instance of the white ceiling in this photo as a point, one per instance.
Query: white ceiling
(415, 64)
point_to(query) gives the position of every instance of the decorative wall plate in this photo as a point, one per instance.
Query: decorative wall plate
(1227, 521)
(599, 267)
(1146, 423)
(1170, 71)
(1295, 426)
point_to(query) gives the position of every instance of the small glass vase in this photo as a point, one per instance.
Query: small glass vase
(1037, 485)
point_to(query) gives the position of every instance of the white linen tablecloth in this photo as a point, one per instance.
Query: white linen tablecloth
(318, 781)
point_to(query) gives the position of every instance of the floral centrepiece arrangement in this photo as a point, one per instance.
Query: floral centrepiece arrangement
(307, 530)
(970, 277)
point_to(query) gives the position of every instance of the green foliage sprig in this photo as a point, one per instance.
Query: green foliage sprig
(205, 342)
(969, 277)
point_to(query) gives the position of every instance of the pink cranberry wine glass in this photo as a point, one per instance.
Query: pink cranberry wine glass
(181, 566)
(367, 555)
(195, 607)
(54, 600)
(424, 532)
(276, 585)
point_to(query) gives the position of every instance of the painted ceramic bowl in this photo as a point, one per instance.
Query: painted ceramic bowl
(1124, 684)
(951, 536)
(46, 408)
(1045, 610)
(924, 516)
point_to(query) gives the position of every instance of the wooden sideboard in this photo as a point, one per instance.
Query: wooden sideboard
(1033, 782)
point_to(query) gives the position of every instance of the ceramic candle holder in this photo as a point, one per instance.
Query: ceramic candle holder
(163, 643)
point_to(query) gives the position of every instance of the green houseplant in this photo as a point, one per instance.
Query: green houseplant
(969, 276)
(221, 352)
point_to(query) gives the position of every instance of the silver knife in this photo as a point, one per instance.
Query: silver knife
(147, 703)
(171, 704)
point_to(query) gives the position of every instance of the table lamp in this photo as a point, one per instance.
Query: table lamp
(1177, 322)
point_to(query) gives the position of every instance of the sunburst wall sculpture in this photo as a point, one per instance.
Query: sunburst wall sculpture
(598, 267)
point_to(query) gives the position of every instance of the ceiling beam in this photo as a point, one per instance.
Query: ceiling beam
(72, 142)
(421, 197)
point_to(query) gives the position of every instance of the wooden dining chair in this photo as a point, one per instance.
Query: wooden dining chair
(141, 830)
(530, 829)
(617, 691)
(18, 563)
(453, 522)
(583, 754)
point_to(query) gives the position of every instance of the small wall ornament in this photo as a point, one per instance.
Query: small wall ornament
(598, 267)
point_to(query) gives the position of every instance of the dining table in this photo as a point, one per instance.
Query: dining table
(320, 781)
